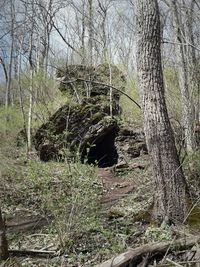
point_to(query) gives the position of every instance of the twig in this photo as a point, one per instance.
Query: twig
(174, 263)
(103, 84)
(185, 44)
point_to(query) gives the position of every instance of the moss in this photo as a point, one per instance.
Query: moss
(96, 117)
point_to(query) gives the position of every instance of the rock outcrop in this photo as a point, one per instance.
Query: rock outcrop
(87, 128)
(75, 131)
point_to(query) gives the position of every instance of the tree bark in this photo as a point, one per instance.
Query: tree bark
(194, 73)
(181, 52)
(31, 89)
(10, 65)
(83, 22)
(90, 30)
(30, 112)
(170, 185)
(4, 254)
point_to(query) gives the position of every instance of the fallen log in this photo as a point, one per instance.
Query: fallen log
(133, 257)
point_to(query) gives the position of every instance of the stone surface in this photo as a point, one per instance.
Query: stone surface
(73, 130)
(130, 143)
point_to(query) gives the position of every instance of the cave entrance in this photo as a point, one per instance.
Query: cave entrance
(102, 152)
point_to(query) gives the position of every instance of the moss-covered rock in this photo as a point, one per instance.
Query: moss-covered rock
(74, 129)
(78, 128)
(88, 129)
(83, 80)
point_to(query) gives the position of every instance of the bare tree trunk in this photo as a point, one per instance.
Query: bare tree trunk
(10, 65)
(30, 111)
(2, 62)
(90, 29)
(103, 11)
(47, 14)
(187, 114)
(170, 185)
(111, 91)
(83, 33)
(193, 69)
(8, 84)
(20, 89)
(4, 254)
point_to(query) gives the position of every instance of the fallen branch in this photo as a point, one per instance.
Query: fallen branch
(33, 253)
(19, 224)
(103, 84)
(174, 263)
(133, 257)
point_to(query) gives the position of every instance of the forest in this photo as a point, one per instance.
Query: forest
(99, 133)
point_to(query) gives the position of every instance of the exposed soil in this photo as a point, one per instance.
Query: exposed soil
(114, 188)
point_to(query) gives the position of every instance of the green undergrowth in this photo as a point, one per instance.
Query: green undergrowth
(131, 113)
(79, 229)
(66, 193)
(68, 196)
(11, 122)
(191, 166)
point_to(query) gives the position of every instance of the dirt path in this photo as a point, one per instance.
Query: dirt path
(114, 187)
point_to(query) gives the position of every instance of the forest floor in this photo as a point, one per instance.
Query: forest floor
(82, 214)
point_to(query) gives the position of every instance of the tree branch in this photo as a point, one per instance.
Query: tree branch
(103, 84)
(58, 31)
(185, 44)
(65, 41)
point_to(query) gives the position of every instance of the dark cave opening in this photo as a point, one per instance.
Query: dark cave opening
(102, 152)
